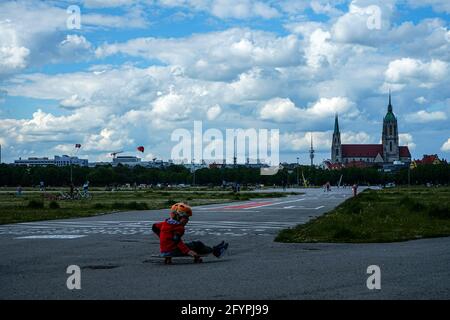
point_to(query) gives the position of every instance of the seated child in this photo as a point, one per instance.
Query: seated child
(171, 231)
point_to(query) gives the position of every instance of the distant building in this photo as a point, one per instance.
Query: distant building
(59, 161)
(66, 160)
(126, 161)
(387, 152)
(430, 159)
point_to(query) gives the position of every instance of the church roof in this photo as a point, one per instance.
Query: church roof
(362, 150)
(369, 150)
(404, 151)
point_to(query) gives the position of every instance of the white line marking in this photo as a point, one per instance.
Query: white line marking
(276, 203)
(56, 236)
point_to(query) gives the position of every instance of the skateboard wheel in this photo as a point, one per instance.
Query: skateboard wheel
(198, 260)
(168, 260)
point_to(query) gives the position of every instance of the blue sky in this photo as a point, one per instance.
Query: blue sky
(137, 70)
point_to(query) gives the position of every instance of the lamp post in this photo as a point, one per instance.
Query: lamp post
(193, 168)
(298, 181)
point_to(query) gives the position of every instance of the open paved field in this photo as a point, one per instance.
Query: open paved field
(114, 253)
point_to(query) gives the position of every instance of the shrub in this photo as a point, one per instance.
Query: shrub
(35, 204)
(118, 205)
(54, 205)
(411, 204)
(99, 206)
(439, 211)
(352, 206)
(133, 205)
(344, 233)
(171, 202)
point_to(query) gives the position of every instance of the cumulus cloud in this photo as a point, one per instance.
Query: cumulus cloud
(437, 5)
(413, 71)
(295, 80)
(421, 100)
(284, 110)
(228, 9)
(301, 141)
(13, 56)
(107, 3)
(446, 146)
(214, 112)
(216, 55)
(424, 116)
(406, 139)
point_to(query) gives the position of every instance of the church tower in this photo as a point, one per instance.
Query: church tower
(390, 135)
(336, 147)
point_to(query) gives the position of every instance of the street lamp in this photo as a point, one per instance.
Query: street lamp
(298, 181)
(193, 176)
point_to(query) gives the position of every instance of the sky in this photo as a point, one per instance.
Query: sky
(132, 72)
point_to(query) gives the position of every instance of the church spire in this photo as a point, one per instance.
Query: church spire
(389, 105)
(336, 124)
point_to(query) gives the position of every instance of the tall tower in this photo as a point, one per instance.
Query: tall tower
(389, 136)
(336, 147)
(235, 152)
(311, 151)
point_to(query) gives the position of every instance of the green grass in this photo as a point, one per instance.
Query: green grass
(387, 215)
(32, 206)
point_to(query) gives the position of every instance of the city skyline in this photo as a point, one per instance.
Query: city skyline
(137, 70)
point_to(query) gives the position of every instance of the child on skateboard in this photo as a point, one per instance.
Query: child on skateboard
(171, 231)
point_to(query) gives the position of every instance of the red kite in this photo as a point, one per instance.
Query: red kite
(141, 149)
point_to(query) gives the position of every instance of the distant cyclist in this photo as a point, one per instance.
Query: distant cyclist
(86, 188)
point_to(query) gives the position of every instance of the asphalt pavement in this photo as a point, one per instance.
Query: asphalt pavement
(114, 253)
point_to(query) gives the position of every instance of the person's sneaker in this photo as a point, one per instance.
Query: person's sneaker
(220, 249)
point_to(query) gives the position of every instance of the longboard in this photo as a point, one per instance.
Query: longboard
(168, 260)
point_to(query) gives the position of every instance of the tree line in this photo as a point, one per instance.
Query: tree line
(101, 176)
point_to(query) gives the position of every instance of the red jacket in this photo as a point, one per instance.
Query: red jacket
(170, 233)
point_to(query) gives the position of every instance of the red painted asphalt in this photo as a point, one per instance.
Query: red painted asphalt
(247, 205)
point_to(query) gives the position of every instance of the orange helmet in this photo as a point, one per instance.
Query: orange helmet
(181, 209)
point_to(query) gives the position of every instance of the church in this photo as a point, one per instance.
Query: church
(386, 152)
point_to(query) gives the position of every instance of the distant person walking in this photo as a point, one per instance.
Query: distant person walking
(355, 189)
(19, 191)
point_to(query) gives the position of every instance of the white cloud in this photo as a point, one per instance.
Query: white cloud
(320, 51)
(365, 22)
(216, 55)
(280, 110)
(284, 110)
(226, 9)
(214, 112)
(13, 56)
(171, 107)
(421, 100)
(411, 71)
(301, 141)
(437, 5)
(107, 3)
(424, 116)
(326, 107)
(446, 146)
(406, 139)
(361, 137)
